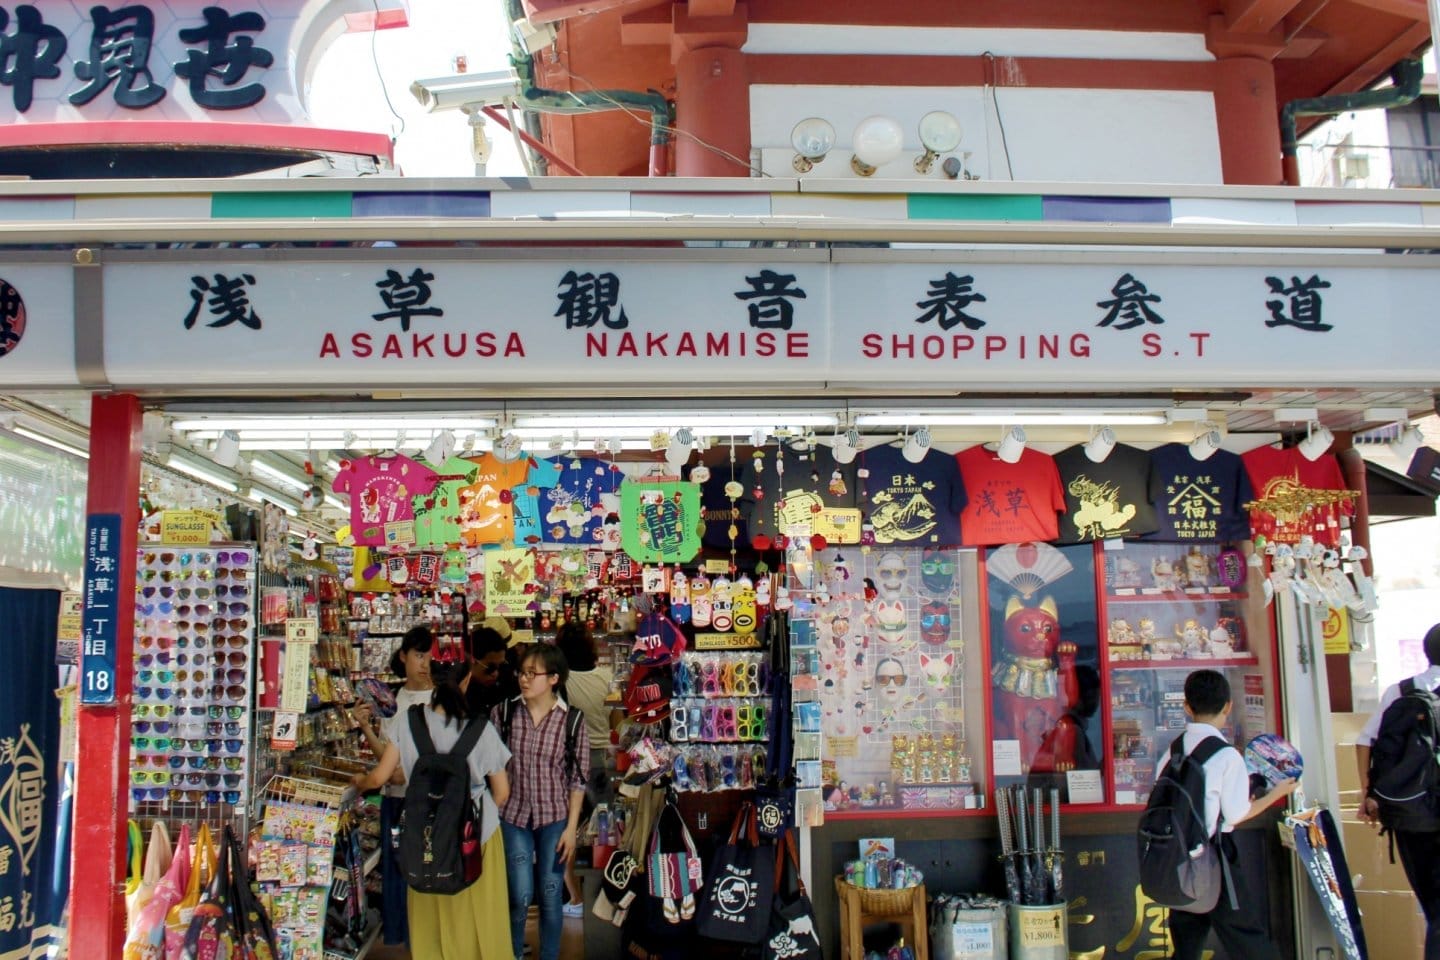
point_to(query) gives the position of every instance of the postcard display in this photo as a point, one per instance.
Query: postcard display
(193, 683)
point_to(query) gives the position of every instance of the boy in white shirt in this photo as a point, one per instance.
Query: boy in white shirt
(1227, 793)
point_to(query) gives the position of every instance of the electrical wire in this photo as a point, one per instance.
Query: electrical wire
(995, 102)
(668, 128)
(375, 58)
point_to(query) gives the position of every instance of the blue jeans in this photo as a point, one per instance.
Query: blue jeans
(392, 881)
(530, 851)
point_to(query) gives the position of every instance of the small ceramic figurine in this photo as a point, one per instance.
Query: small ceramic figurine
(1198, 568)
(1163, 573)
(1191, 637)
(1220, 642)
(1127, 573)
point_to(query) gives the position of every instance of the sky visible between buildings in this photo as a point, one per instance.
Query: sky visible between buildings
(353, 79)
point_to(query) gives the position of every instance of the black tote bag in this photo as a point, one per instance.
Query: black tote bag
(741, 885)
(791, 934)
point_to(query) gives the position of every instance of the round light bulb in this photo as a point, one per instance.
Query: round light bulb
(878, 140)
(813, 137)
(939, 131)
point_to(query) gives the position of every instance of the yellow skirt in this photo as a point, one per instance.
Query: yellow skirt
(473, 924)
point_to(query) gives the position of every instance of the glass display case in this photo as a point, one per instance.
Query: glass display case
(1044, 669)
(895, 652)
(1170, 609)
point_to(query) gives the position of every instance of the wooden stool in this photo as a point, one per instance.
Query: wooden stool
(859, 906)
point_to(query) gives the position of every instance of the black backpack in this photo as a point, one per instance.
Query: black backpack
(1404, 776)
(1172, 829)
(440, 825)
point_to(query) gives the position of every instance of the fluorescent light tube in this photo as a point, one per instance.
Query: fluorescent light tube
(699, 421)
(200, 473)
(314, 425)
(29, 434)
(280, 476)
(1004, 418)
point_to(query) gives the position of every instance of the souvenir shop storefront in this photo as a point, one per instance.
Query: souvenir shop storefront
(915, 545)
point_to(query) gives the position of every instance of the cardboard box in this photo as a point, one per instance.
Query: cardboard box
(1394, 925)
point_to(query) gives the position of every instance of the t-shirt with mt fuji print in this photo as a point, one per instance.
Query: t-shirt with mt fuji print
(911, 504)
(1276, 473)
(1198, 501)
(1009, 502)
(1107, 499)
(382, 490)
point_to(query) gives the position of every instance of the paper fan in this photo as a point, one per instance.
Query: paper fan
(1027, 566)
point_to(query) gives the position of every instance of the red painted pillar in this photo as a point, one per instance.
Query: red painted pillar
(102, 769)
(1249, 121)
(712, 94)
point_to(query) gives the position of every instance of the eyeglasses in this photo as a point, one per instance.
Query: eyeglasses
(142, 777)
(198, 593)
(894, 679)
(163, 607)
(232, 590)
(215, 729)
(234, 642)
(161, 710)
(216, 712)
(164, 693)
(227, 557)
(166, 592)
(532, 674)
(229, 779)
(152, 743)
(489, 669)
(153, 795)
(932, 619)
(145, 726)
(932, 567)
(229, 796)
(225, 746)
(232, 692)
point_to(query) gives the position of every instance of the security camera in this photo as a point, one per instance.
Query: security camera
(466, 89)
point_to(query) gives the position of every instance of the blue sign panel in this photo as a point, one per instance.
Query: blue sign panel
(102, 599)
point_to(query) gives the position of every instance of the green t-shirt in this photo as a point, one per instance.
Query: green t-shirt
(437, 514)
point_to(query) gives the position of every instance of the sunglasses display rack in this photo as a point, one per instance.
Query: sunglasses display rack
(193, 684)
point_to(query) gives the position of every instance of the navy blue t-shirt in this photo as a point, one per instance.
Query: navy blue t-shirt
(912, 504)
(1199, 500)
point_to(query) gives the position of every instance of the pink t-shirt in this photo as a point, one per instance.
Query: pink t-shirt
(381, 490)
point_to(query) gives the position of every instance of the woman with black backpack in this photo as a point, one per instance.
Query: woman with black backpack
(469, 924)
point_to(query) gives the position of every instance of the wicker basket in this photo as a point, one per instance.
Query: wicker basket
(881, 902)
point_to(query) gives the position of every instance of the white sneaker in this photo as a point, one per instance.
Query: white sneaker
(573, 910)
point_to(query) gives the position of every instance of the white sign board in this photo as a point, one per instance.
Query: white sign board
(37, 325)
(454, 317)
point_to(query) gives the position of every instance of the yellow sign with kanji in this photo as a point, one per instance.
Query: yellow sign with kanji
(1337, 631)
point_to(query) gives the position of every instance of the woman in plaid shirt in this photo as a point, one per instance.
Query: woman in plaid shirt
(542, 816)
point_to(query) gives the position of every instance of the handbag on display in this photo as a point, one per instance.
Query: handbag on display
(145, 938)
(143, 880)
(736, 905)
(792, 933)
(673, 867)
(204, 865)
(775, 790)
(254, 933)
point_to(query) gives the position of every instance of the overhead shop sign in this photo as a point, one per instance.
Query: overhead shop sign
(789, 317)
(161, 60)
(37, 325)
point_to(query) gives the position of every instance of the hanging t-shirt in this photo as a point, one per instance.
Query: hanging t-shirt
(526, 500)
(437, 514)
(916, 504)
(1198, 500)
(486, 514)
(787, 483)
(382, 490)
(1009, 502)
(574, 507)
(1106, 499)
(1275, 473)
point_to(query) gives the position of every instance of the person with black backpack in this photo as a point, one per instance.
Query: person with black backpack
(1398, 753)
(549, 766)
(451, 852)
(1202, 792)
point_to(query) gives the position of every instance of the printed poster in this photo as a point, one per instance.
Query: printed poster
(509, 581)
(660, 522)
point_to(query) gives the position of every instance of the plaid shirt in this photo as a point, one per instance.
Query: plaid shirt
(538, 792)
